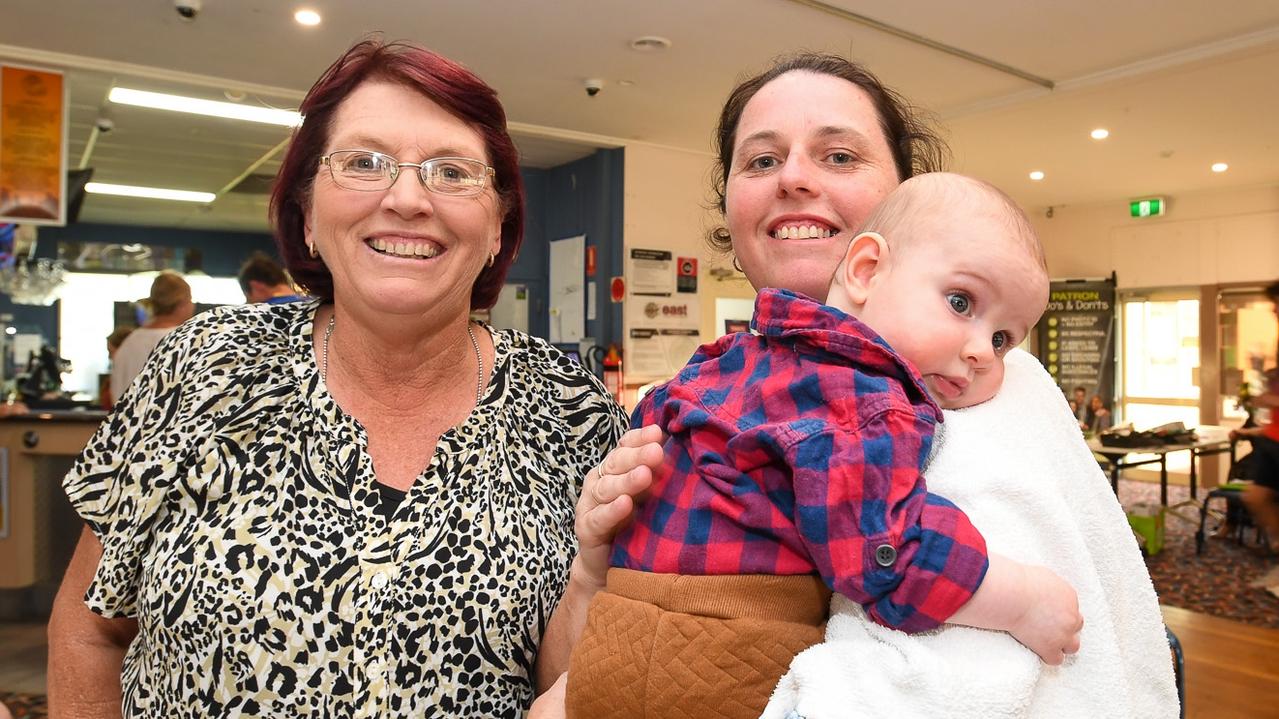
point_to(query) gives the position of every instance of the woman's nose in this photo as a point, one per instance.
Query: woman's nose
(407, 196)
(798, 175)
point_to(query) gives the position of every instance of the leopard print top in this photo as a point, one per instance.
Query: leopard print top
(237, 511)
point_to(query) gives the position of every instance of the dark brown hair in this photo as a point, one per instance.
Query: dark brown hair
(444, 82)
(915, 147)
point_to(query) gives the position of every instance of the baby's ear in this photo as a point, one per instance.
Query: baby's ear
(866, 256)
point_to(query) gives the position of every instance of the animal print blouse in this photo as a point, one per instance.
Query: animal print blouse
(239, 520)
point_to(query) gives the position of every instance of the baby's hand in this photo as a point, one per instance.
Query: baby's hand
(1051, 623)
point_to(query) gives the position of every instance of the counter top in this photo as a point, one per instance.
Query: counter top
(58, 415)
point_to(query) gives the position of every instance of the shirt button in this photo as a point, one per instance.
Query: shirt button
(885, 555)
(379, 580)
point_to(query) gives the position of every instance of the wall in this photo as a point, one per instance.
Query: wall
(668, 208)
(1207, 238)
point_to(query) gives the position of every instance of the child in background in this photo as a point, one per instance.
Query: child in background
(794, 467)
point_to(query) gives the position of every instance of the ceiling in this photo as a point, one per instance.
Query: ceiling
(1180, 84)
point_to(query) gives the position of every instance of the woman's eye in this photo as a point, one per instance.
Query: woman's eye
(959, 302)
(840, 158)
(762, 163)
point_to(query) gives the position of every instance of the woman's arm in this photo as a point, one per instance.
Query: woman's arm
(607, 500)
(86, 651)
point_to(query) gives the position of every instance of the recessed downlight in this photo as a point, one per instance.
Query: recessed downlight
(1036, 175)
(307, 16)
(1100, 133)
(1220, 167)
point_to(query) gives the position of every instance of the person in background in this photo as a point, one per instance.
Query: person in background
(1102, 420)
(1081, 407)
(795, 467)
(361, 505)
(169, 305)
(262, 280)
(116, 338)
(1262, 496)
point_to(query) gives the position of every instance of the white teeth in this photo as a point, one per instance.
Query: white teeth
(404, 249)
(802, 232)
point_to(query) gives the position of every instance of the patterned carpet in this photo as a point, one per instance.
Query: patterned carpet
(1215, 582)
(24, 706)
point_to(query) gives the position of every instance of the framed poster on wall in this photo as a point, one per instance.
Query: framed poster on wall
(33, 146)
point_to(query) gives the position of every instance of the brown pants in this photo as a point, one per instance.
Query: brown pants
(668, 645)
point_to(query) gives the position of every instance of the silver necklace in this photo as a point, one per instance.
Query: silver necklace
(479, 360)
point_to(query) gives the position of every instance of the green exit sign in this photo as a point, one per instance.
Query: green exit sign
(1151, 207)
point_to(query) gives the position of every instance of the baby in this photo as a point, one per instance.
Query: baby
(794, 467)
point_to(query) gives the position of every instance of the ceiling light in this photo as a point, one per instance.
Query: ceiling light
(1220, 167)
(212, 108)
(650, 43)
(1037, 175)
(307, 17)
(1100, 133)
(152, 193)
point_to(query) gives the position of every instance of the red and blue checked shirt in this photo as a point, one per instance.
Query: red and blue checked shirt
(799, 451)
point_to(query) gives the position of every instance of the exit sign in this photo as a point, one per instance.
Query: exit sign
(1151, 207)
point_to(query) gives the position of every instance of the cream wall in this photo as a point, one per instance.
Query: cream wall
(665, 207)
(1207, 238)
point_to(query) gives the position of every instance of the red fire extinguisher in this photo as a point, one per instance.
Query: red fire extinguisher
(613, 372)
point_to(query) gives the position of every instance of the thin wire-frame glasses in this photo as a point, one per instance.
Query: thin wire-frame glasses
(369, 171)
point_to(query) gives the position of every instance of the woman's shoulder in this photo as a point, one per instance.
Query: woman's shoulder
(524, 352)
(253, 326)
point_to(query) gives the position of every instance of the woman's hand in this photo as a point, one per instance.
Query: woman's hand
(609, 494)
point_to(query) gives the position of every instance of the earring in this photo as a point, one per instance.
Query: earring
(310, 248)
(492, 258)
(737, 266)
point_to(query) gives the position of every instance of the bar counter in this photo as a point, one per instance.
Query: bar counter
(38, 528)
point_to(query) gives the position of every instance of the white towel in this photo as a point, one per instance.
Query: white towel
(1019, 467)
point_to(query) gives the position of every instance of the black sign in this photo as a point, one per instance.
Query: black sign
(1077, 337)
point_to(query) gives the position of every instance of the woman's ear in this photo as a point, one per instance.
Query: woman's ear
(867, 255)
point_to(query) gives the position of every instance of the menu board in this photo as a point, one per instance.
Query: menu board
(32, 146)
(1077, 336)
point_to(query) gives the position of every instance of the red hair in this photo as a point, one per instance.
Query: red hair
(444, 82)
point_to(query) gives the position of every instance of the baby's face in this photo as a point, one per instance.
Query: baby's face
(955, 298)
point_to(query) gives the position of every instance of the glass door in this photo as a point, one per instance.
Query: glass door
(1248, 338)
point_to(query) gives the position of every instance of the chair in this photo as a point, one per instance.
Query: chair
(1240, 469)
(1178, 668)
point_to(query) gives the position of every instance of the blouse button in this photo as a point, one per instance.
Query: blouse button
(379, 580)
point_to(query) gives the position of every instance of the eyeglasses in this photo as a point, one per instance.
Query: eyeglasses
(368, 171)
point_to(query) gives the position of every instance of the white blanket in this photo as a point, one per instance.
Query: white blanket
(1020, 469)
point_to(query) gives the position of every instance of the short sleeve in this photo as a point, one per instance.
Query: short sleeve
(119, 481)
(596, 419)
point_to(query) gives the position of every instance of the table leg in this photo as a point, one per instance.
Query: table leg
(1194, 462)
(1163, 479)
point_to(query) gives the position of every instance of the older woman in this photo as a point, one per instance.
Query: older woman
(356, 506)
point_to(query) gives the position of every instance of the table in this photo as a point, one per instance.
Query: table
(1212, 440)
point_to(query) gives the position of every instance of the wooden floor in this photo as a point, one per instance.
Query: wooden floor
(1232, 669)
